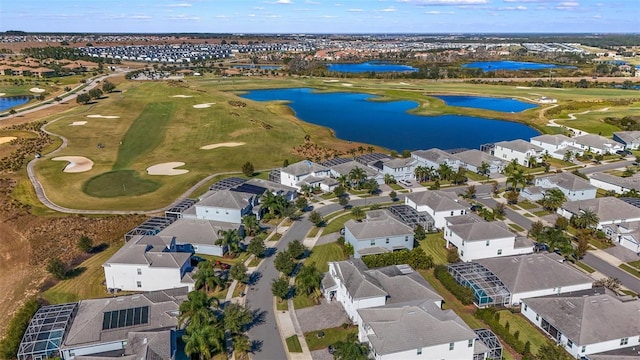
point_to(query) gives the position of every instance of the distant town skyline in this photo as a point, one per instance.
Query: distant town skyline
(321, 16)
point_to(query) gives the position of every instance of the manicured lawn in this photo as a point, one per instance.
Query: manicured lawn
(516, 227)
(631, 270)
(282, 305)
(527, 331)
(119, 183)
(635, 264)
(527, 205)
(232, 261)
(336, 224)
(293, 344)
(541, 213)
(557, 163)
(322, 254)
(331, 336)
(301, 301)
(395, 187)
(585, 267)
(334, 215)
(475, 176)
(314, 231)
(434, 245)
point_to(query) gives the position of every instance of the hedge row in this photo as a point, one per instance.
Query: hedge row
(492, 318)
(18, 325)
(416, 258)
(462, 293)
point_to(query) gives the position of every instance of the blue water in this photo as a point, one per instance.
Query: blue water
(7, 103)
(257, 67)
(387, 123)
(512, 65)
(369, 67)
(487, 103)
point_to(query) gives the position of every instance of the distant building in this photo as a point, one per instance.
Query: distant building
(295, 174)
(435, 157)
(472, 160)
(519, 150)
(557, 146)
(630, 139)
(617, 184)
(626, 234)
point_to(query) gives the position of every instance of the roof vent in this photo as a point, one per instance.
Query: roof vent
(411, 312)
(571, 305)
(144, 341)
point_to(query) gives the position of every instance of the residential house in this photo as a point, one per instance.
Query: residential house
(610, 210)
(626, 234)
(617, 184)
(225, 206)
(433, 158)
(588, 322)
(437, 204)
(473, 160)
(556, 145)
(597, 144)
(294, 174)
(478, 239)
(399, 168)
(148, 263)
(200, 236)
(572, 186)
(345, 168)
(535, 275)
(289, 193)
(118, 327)
(379, 233)
(630, 139)
(523, 152)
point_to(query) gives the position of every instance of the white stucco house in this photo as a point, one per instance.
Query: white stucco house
(626, 234)
(435, 157)
(399, 168)
(519, 150)
(200, 235)
(438, 204)
(556, 145)
(473, 159)
(295, 174)
(597, 144)
(630, 139)
(617, 184)
(345, 168)
(224, 206)
(379, 233)
(478, 239)
(610, 210)
(588, 322)
(572, 186)
(148, 263)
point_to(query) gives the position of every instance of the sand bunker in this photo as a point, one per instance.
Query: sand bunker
(225, 144)
(104, 116)
(522, 87)
(202, 106)
(37, 90)
(347, 84)
(3, 94)
(76, 163)
(6, 139)
(331, 81)
(182, 96)
(78, 123)
(167, 169)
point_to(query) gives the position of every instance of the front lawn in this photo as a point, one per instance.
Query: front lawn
(528, 205)
(434, 245)
(516, 227)
(293, 344)
(336, 224)
(527, 331)
(330, 337)
(322, 254)
(631, 270)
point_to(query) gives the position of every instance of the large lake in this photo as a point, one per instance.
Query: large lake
(13, 101)
(370, 67)
(512, 65)
(487, 103)
(354, 117)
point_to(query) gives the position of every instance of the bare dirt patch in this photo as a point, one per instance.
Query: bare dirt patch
(203, 106)
(104, 116)
(225, 144)
(78, 123)
(6, 139)
(167, 168)
(76, 163)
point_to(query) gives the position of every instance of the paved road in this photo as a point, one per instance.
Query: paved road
(607, 269)
(604, 167)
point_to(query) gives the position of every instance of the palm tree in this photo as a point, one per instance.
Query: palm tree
(500, 210)
(470, 193)
(344, 181)
(418, 173)
(351, 349)
(568, 156)
(229, 239)
(357, 175)
(586, 219)
(361, 149)
(445, 171)
(353, 151)
(251, 224)
(197, 308)
(204, 340)
(358, 213)
(389, 179)
(533, 161)
(556, 239)
(206, 277)
(308, 278)
(484, 168)
(516, 178)
(553, 199)
(370, 149)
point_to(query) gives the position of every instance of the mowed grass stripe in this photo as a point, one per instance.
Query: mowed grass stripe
(145, 134)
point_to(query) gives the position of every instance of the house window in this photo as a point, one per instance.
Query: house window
(419, 351)
(569, 343)
(406, 238)
(537, 317)
(373, 242)
(499, 251)
(386, 241)
(584, 348)
(470, 343)
(526, 307)
(451, 346)
(452, 213)
(462, 253)
(624, 341)
(487, 243)
(462, 242)
(139, 271)
(139, 284)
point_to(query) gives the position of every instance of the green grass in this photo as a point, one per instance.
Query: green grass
(516, 227)
(87, 285)
(585, 267)
(395, 187)
(527, 331)
(301, 301)
(336, 224)
(629, 292)
(119, 183)
(293, 344)
(334, 215)
(475, 176)
(635, 264)
(145, 133)
(242, 257)
(434, 245)
(631, 270)
(331, 336)
(282, 305)
(528, 205)
(314, 231)
(322, 254)
(541, 213)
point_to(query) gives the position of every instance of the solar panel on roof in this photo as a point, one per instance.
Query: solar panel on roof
(124, 318)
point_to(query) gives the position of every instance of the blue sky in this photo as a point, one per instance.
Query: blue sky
(321, 16)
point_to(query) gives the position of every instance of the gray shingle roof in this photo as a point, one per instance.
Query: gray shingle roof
(345, 168)
(226, 199)
(381, 225)
(607, 208)
(86, 327)
(519, 145)
(480, 231)
(303, 167)
(396, 163)
(595, 141)
(463, 219)
(476, 158)
(196, 231)
(403, 328)
(438, 200)
(152, 345)
(555, 140)
(434, 155)
(141, 251)
(567, 181)
(534, 272)
(628, 136)
(589, 319)
(631, 182)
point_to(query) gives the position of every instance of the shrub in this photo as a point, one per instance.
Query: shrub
(17, 326)
(296, 249)
(57, 268)
(462, 293)
(85, 244)
(248, 169)
(452, 255)
(488, 315)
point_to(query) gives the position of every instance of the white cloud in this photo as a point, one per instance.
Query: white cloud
(513, 8)
(436, 12)
(355, 10)
(567, 5)
(179, 5)
(140, 17)
(389, 9)
(182, 17)
(597, 17)
(446, 2)
(311, 2)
